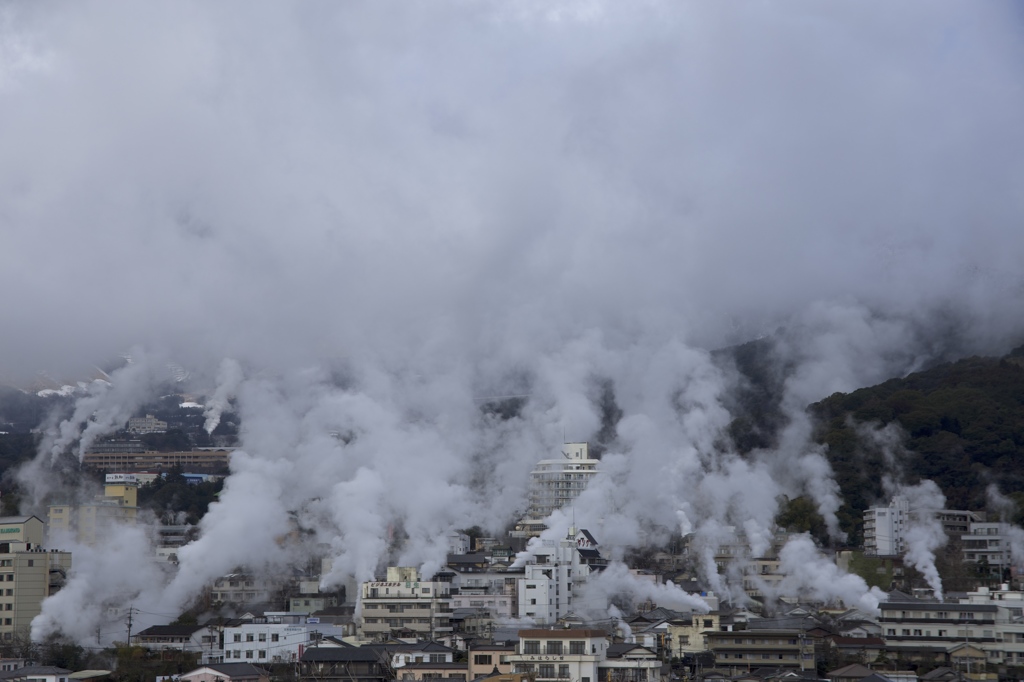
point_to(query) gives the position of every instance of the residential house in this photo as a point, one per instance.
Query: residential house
(226, 672)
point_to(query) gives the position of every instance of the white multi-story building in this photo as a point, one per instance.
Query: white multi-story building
(405, 602)
(555, 573)
(884, 526)
(279, 637)
(555, 483)
(990, 544)
(560, 654)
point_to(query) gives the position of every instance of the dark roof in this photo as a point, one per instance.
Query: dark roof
(853, 670)
(345, 654)
(467, 558)
(34, 671)
(170, 631)
(447, 666)
(620, 650)
(858, 641)
(875, 677)
(588, 536)
(236, 669)
(589, 553)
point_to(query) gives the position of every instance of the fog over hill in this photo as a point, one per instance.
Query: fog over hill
(363, 222)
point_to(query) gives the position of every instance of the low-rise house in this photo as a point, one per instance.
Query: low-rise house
(489, 659)
(36, 673)
(629, 663)
(346, 664)
(226, 672)
(433, 671)
(190, 638)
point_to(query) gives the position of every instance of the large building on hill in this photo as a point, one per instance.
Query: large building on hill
(199, 459)
(28, 573)
(87, 521)
(556, 483)
(885, 527)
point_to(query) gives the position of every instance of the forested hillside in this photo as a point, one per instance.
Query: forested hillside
(960, 424)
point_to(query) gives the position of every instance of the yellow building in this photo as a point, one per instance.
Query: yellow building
(28, 573)
(117, 505)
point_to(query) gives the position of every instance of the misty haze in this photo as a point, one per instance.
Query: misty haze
(539, 339)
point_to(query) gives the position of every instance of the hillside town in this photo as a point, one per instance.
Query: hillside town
(514, 608)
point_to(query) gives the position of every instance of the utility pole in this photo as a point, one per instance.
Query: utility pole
(131, 610)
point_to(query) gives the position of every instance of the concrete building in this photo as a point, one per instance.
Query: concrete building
(555, 574)
(560, 654)
(484, 659)
(242, 588)
(28, 573)
(198, 460)
(742, 650)
(406, 602)
(929, 631)
(885, 527)
(555, 483)
(117, 505)
(989, 544)
(147, 424)
(276, 637)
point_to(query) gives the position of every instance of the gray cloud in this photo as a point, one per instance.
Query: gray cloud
(384, 211)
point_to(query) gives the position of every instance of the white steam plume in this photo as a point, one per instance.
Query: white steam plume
(384, 216)
(811, 575)
(229, 377)
(924, 533)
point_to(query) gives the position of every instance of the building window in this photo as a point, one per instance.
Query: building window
(263, 653)
(546, 671)
(481, 659)
(263, 636)
(238, 638)
(531, 647)
(577, 648)
(554, 648)
(563, 671)
(274, 637)
(249, 637)
(248, 653)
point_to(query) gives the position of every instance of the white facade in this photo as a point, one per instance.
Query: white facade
(404, 602)
(991, 544)
(560, 654)
(277, 638)
(884, 528)
(555, 483)
(458, 543)
(555, 572)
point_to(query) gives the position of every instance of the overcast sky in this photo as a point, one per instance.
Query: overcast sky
(286, 182)
(380, 212)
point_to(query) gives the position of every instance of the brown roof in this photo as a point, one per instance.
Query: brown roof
(562, 634)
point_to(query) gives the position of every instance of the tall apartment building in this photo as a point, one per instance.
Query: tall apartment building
(406, 602)
(28, 573)
(555, 483)
(885, 527)
(555, 574)
(117, 504)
